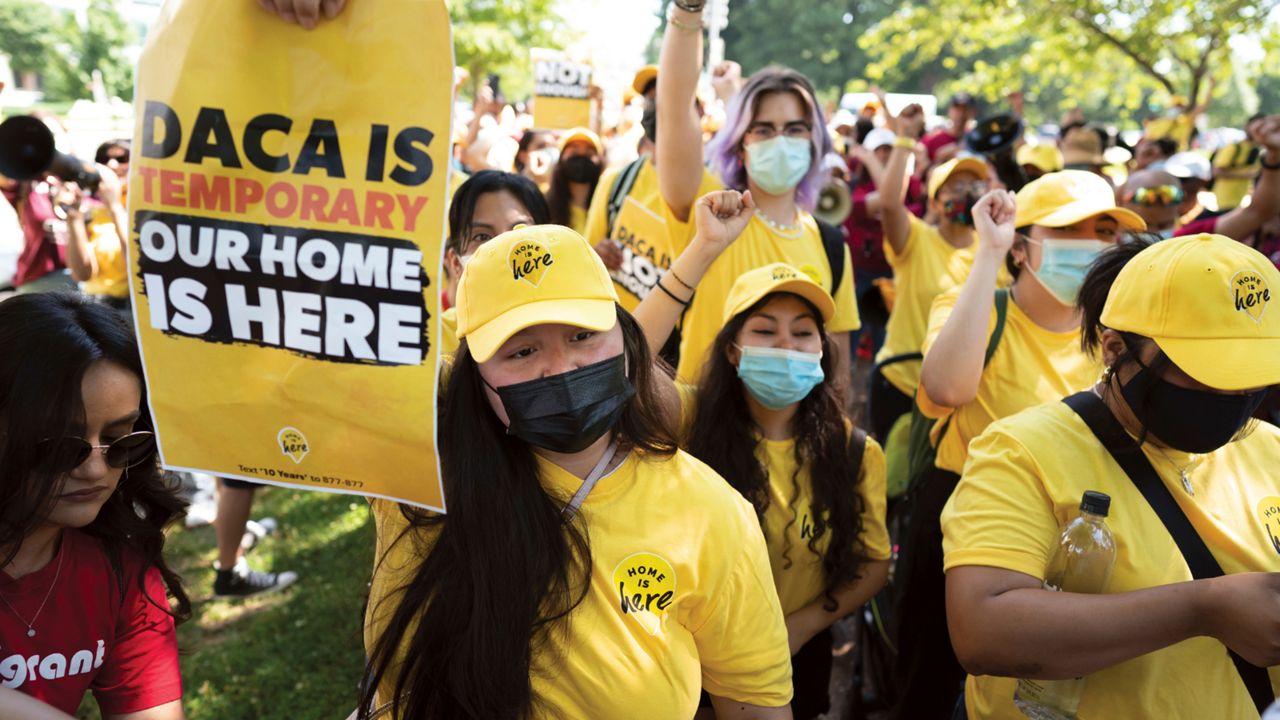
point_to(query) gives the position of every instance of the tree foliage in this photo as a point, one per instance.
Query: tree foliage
(41, 40)
(494, 36)
(1127, 56)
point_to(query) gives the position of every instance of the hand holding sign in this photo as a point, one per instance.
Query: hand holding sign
(306, 13)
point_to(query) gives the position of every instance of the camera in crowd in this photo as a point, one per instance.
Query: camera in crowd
(27, 152)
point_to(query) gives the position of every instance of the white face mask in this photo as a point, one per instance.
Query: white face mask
(464, 259)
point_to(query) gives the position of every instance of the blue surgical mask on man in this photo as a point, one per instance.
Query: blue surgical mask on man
(778, 164)
(778, 377)
(1064, 264)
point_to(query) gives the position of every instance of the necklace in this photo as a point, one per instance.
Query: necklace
(1183, 471)
(792, 230)
(31, 630)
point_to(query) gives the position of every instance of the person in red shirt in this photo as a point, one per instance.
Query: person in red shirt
(84, 588)
(944, 142)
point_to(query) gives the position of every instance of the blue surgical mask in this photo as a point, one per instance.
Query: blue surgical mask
(778, 164)
(1165, 234)
(778, 377)
(1063, 265)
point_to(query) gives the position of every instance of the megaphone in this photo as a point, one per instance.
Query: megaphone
(835, 202)
(994, 137)
(27, 152)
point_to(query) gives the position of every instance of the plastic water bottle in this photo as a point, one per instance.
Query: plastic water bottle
(1273, 712)
(1082, 563)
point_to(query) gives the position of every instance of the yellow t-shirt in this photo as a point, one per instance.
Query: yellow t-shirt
(578, 219)
(1235, 157)
(1179, 129)
(449, 331)
(797, 570)
(927, 266)
(759, 245)
(656, 526)
(1031, 365)
(104, 241)
(1023, 483)
(651, 236)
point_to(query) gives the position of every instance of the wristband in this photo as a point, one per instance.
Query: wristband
(672, 295)
(905, 142)
(693, 6)
(1268, 166)
(677, 24)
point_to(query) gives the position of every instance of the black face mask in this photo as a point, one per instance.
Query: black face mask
(649, 121)
(1194, 421)
(960, 211)
(566, 413)
(580, 169)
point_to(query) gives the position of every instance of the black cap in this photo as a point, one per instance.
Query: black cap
(1095, 502)
(963, 98)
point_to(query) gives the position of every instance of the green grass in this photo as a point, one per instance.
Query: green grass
(296, 654)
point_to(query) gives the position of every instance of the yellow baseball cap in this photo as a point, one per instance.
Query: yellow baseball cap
(752, 286)
(643, 77)
(532, 275)
(943, 172)
(1204, 300)
(1069, 196)
(581, 133)
(1045, 156)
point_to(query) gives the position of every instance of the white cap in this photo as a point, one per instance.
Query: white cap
(878, 138)
(842, 118)
(1188, 166)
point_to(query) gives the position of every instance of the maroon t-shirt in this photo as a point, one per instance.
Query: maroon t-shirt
(42, 253)
(1195, 227)
(938, 139)
(865, 233)
(88, 637)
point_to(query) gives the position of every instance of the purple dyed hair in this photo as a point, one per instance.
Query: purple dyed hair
(724, 152)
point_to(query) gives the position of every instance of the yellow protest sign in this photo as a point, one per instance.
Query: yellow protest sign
(647, 249)
(287, 203)
(561, 89)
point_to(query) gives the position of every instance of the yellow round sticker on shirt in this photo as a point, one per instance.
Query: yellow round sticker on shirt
(646, 589)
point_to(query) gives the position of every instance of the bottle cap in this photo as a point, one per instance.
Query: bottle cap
(1095, 502)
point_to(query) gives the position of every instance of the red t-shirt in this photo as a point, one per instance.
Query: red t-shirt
(1195, 227)
(87, 636)
(43, 234)
(865, 233)
(938, 139)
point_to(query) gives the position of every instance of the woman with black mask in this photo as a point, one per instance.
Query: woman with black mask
(586, 567)
(1191, 348)
(574, 180)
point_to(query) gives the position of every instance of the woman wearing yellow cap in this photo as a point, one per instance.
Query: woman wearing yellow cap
(574, 179)
(988, 354)
(586, 567)
(927, 259)
(1191, 344)
(768, 417)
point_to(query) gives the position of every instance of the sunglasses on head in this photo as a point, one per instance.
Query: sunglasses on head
(1160, 195)
(65, 454)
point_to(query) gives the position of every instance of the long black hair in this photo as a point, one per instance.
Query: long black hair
(50, 340)
(503, 567)
(462, 209)
(725, 437)
(559, 198)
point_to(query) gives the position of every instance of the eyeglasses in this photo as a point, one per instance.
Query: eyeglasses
(767, 131)
(1159, 195)
(65, 454)
(968, 188)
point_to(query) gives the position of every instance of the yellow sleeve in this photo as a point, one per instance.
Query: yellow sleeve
(943, 305)
(598, 213)
(1000, 514)
(739, 629)
(913, 236)
(871, 486)
(846, 318)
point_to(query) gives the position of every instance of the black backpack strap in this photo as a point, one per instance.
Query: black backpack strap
(895, 359)
(1002, 312)
(622, 184)
(857, 448)
(834, 245)
(1129, 456)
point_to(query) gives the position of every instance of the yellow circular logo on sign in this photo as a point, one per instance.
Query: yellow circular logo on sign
(646, 589)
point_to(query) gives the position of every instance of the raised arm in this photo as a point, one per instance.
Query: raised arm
(679, 142)
(720, 217)
(1244, 221)
(952, 367)
(894, 214)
